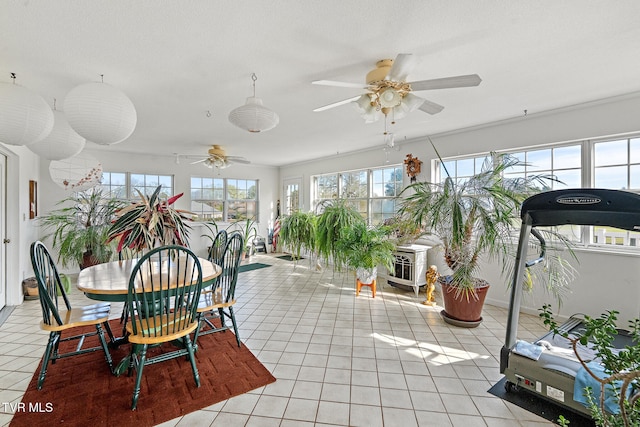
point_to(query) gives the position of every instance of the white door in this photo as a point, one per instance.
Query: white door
(292, 195)
(3, 227)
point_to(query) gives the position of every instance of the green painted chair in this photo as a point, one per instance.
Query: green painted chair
(217, 248)
(61, 317)
(217, 302)
(164, 289)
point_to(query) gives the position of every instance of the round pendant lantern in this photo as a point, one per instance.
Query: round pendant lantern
(100, 113)
(62, 143)
(77, 173)
(25, 117)
(253, 116)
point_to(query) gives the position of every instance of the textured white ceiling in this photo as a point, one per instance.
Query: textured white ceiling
(178, 59)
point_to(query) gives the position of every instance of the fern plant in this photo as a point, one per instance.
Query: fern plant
(365, 247)
(298, 232)
(336, 215)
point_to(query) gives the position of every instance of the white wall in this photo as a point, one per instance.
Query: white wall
(22, 166)
(606, 281)
(113, 161)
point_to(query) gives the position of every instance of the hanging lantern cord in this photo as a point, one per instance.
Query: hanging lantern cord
(254, 78)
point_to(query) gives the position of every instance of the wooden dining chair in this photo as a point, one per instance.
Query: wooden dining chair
(217, 248)
(123, 255)
(163, 294)
(61, 317)
(217, 302)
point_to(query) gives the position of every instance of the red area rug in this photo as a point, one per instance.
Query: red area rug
(80, 390)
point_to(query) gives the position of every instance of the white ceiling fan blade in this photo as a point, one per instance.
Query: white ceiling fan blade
(447, 82)
(199, 161)
(337, 104)
(338, 84)
(402, 66)
(235, 159)
(430, 107)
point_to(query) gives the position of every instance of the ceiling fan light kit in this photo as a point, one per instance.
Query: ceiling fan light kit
(253, 116)
(390, 93)
(217, 158)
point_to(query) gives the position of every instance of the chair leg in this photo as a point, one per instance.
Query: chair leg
(103, 342)
(197, 332)
(107, 328)
(53, 339)
(235, 325)
(221, 313)
(192, 359)
(140, 367)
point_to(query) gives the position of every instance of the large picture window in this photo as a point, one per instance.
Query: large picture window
(612, 163)
(123, 185)
(372, 192)
(224, 199)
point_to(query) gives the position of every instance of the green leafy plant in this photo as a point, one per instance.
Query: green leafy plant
(474, 216)
(212, 228)
(298, 232)
(249, 230)
(80, 229)
(621, 366)
(366, 247)
(149, 223)
(336, 215)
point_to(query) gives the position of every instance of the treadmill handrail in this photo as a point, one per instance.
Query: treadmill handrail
(543, 249)
(584, 206)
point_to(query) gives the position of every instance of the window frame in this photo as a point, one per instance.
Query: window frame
(364, 203)
(585, 235)
(226, 201)
(130, 195)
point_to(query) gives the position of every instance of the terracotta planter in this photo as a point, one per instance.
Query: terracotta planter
(461, 310)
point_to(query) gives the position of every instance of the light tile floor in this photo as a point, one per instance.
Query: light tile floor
(339, 360)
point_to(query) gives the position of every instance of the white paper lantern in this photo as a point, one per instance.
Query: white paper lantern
(77, 173)
(25, 117)
(62, 143)
(100, 113)
(253, 116)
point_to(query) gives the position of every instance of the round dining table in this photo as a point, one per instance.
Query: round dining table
(110, 281)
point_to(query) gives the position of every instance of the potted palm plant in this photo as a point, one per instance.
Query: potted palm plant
(473, 218)
(366, 248)
(149, 223)
(298, 232)
(80, 228)
(247, 227)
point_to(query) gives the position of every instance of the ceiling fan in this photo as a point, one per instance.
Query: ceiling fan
(217, 158)
(388, 91)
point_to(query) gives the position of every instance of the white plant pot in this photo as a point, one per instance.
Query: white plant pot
(366, 275)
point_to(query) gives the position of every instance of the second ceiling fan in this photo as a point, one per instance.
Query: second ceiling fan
(389, 93)
(217, 158)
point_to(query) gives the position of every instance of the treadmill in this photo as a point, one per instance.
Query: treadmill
(548, 367)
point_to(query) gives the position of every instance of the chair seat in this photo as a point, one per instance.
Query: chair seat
(208, 302)
(163, 332)
(81, 316)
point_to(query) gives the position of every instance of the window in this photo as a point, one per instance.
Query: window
(612, 163)
(372, 192)
(224, 199)
(123, 185)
